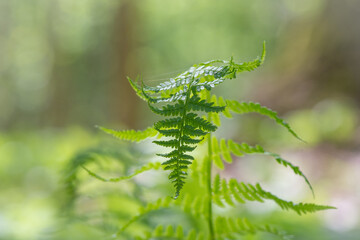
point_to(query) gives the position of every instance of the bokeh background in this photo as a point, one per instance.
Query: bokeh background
(63, 68)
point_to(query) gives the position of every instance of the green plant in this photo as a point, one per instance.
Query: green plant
(184, 98)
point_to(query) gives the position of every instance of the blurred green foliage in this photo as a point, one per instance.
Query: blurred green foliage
(60, 58)
(39, 200)
(63, 63)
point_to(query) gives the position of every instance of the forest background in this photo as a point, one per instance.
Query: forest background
(63, 68)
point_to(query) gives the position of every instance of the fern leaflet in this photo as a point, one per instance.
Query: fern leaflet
(144, 168)
(243, 148)
(249, 107)
(131, 135)
(159, 204)
(240, 192)
(193, 205)
(170, 233)
(231, 228)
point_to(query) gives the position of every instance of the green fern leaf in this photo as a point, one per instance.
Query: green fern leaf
(222, 102)
(217, 184)
(237, 68)
(184, 97)
(214, 116)
(194, 205)
(216, 151)
(173, 143)
(180, 95)
(137, 88)
(233, 185)
(193, 132)
(241, 191)
(250, 107)
(233, 228)
(244, 148)
(252, 65)
(225, 192)
(190, 140)
(159, 204)
(233, 147)
(131, 135)
(180, 232)
(298, 208)
(225, 151)
(170, 132)
(147, 167)
(169, 110)
(197, 122)
(174, 85)
(196, 104)
(217, 191)
(168, 123)
(168, 233)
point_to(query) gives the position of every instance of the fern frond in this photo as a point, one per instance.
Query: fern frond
(184, 100)
(169, 110)
(252, 65)
(168, 123)
(241, 67)
(197, 122)
(300, 208)
(197, 104)
(222, 102)
(131, 135)
(250, 107)
(214, 116)
(197, 173)
(216, 153)
(243, 148)
(225, 151)
(71, 182)
(138, 89)
(196, 206)
(231, 228)
(217, 196)
(173, 132)
(209, 74)
(173, 143)
(159, 204)
(174, 84)
(183, 129)
(189, 140)
(160, 232)
(239, 192)
(171, 98)
(147, 167)
(208, 84)
(193, 131)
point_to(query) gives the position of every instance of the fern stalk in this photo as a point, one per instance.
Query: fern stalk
(208, 161)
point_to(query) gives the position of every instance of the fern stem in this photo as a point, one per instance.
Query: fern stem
(209, 170)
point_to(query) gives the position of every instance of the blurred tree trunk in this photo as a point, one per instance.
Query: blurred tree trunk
(322, 58)
(58, 108)
(124, 101)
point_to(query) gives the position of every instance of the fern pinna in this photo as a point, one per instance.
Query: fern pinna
(183, 102)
